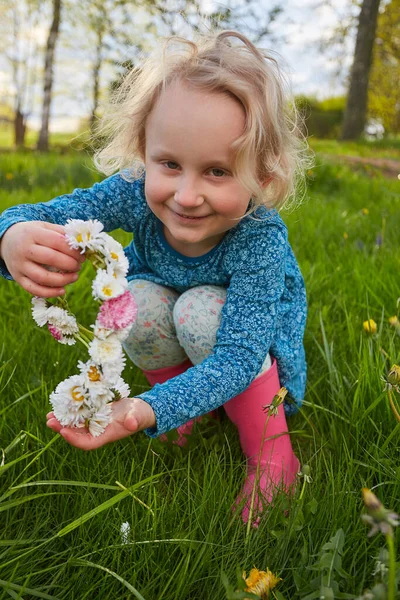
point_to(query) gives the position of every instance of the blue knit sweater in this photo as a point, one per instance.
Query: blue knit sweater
(265, 308)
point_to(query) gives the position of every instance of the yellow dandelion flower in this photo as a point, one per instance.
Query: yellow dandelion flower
(365, 211)
(345, 236)
(370, 326)
(261, 582)
(394, 321)
(9, 176)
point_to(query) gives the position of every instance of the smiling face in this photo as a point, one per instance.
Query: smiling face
(190, 185)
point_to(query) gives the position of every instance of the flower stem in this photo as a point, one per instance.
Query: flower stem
(393, 406)
(89, 335)
(302, 489)
(392, 567)
(256, 479)
(81, 340)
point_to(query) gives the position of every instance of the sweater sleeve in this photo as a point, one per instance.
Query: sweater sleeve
(248, 323)
(114, 201)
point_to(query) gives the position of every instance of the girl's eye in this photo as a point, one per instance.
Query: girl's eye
(218, 172)
(171, 165)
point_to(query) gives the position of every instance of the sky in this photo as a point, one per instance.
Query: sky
(302, 25)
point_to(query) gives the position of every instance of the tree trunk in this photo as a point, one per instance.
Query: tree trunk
(43, 140)
(356, 109)
(19, 127)
(96, 78)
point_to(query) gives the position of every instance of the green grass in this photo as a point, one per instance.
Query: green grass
(385, 148)
(346, 431)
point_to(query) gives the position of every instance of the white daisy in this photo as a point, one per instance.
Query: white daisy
(114, 256)
(99, 396)
(121, 389)
(69, 400)
(91, 372)
(84, 235)
(101, 332)
(106, 285)
(112, 370)
(39, 311)
(99, 420)
(62, 320)
(105, 351)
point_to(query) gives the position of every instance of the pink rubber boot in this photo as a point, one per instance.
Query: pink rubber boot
(159, 376)
(277, 463)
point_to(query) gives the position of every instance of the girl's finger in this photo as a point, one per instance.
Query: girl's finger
(59, 260)
(43, 277)
(54, 424)
(56, 240)
(54, 227)
(40, 290)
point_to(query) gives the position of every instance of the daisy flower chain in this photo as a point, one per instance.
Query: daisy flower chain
(84, 400)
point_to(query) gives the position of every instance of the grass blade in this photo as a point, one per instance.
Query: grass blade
(22, 588)
(130, 587)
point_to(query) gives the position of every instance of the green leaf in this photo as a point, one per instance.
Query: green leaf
(312, 506)
(336, 542)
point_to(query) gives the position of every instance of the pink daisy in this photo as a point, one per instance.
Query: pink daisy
(118, 313)
(56, 333)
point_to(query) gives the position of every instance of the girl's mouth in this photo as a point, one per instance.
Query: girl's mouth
(188, 218)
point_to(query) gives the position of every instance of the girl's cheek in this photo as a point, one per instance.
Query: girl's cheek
(154, 192)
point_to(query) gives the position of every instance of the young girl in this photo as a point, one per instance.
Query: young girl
(206, 150)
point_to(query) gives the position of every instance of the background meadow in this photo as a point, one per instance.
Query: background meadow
(62, 510)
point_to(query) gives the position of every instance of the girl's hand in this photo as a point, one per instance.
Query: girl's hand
(129, 415)
(29, 248)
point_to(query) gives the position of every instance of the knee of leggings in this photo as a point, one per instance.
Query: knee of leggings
(197, 305)
(154, 304)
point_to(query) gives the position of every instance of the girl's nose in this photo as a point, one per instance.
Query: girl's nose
(188, 195)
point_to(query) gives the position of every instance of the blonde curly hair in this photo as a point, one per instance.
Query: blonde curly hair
(272, 146)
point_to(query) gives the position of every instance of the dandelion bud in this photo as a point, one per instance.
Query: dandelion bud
(279, 397)
(380, 518)
(394, 321)
(394, 375)
(371, 502)
(370, 326)
(272, 409)
(306, 473)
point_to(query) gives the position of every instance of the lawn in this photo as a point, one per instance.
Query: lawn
(62, 510)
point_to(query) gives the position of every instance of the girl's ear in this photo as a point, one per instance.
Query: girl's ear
(266, 182)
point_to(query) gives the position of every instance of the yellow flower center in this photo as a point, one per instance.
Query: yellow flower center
(94, 374)
(77, 394)
(79, 238)
(114, 256)
(107, 291)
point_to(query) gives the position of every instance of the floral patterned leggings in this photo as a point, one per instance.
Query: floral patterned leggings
(172, 327)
